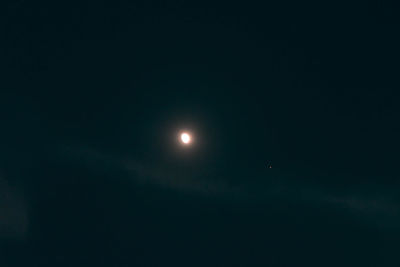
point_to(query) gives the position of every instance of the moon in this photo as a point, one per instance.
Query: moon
(186, 139)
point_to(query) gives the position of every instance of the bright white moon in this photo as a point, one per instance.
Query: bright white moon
(185, 138)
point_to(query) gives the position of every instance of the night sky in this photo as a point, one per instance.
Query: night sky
(294, 111)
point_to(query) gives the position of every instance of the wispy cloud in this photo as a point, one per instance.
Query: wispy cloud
(379, 207)
(13, 212)
(382, 208)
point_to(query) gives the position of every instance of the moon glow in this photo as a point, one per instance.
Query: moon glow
(186, 138)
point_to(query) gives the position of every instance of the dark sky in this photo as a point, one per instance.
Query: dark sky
(94, 93)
